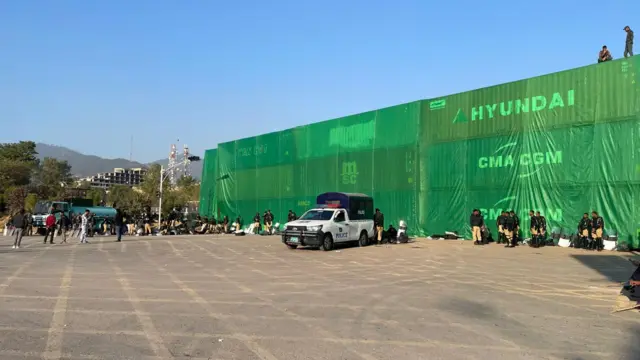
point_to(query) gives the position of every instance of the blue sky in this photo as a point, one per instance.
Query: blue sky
(89, 74)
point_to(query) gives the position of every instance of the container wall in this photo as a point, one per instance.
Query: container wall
(208, 201)
(373, 153)
(563, 144)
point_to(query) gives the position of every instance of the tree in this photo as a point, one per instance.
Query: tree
(15, 198)
(96, 195)
(54, 175)
(186, 181)
(124, 198)
(22, 152)
(151, 185)
(17, 162)
(84, 184)
(189, 187)
(30, 202)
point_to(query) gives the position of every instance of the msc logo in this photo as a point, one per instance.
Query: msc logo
(349, 173)
(518, 106)
(528, 163)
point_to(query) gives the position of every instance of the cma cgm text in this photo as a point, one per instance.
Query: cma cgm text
(527, 159)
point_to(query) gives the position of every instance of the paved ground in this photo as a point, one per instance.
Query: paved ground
(251, 298)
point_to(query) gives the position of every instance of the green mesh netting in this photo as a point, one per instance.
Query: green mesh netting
(563, 143)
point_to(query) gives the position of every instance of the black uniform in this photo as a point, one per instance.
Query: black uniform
(268, 217)
(476, 220)
(598, 224)
(510, 227)
(583, 239)
(517, 229)
(542, 226)
(628, 44)
(378, 219)
(291, 217)
(501, 222)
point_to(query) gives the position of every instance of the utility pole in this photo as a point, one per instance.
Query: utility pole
(163, 173)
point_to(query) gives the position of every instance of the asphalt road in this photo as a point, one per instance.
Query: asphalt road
(226, 297)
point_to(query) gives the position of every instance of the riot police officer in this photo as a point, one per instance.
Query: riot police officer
(516, 235)
(500, 223)
(542, 229)
(533, 228)
(597, 229)
(256, 224)
(509, 229)
(291, 216)
(583, 232)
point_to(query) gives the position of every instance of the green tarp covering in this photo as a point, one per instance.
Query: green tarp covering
(373, 153)
(563, 144)
(208, 205)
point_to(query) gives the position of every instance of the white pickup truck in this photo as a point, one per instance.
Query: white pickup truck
(338, 218)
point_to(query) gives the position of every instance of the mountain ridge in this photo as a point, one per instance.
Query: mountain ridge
(84, 165)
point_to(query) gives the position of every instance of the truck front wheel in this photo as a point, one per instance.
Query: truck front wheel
(327, 242)
(364, 239)
(292, 247)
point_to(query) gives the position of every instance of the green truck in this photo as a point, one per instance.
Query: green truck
(70, 208)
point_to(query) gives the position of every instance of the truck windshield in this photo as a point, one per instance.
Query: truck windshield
(42, 207)
(317, 215)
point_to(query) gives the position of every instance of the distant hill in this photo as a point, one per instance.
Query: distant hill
(87, 165)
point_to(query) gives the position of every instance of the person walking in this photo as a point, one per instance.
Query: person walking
(64, 226)
(119, 224)
(50, 229)
(19, 222)
(84, 224)
(378, 220)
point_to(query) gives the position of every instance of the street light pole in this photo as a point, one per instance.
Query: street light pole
(163, 173)
(160, 197)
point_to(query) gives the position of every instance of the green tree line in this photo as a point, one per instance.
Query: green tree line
(24, 179)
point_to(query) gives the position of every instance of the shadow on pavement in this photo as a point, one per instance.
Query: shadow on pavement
(615, 268)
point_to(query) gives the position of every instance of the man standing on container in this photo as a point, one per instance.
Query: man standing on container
(628, 46)
(476, 221)
(378, 220)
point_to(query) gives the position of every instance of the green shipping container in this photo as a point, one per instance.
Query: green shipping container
(563, 144)
(208, 206)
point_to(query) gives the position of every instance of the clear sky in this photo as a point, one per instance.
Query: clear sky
(89, 74)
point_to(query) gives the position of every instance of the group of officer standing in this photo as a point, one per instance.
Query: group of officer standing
(593, 226)
(590, 230)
